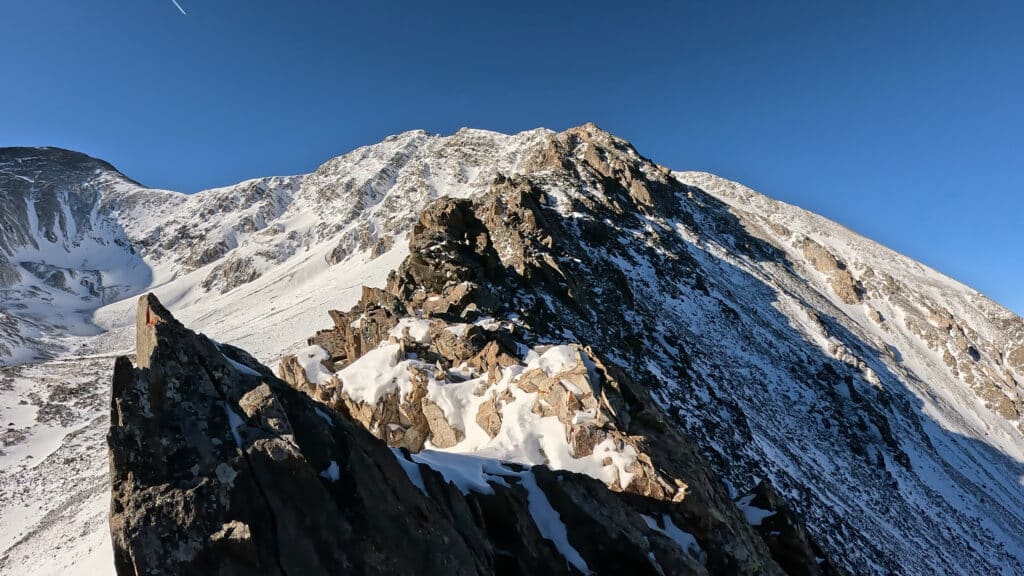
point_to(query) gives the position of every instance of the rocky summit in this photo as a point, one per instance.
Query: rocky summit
(494, 354)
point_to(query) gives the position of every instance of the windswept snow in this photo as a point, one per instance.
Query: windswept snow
(524, 437)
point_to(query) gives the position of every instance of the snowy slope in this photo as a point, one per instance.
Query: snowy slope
(60, 256)
(919, 448)
(954, 343)
(304, 244)
(54, 491)
(294, 244)
(313, 241)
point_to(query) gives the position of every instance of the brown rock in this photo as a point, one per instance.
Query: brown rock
(291, 371)
(489, 417)
(1016, 359)
(442, 434)
(843, 283)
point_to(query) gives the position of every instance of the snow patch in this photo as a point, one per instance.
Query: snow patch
(235, 422)
(411, 470)
(332, 472)
(686, 541)
(311, 358)
(419, 330)
(376, 374)
(476, 474)
(753, 514)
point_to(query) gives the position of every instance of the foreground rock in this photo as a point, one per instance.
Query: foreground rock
(218, 467)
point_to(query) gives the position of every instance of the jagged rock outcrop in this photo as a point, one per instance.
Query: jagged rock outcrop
(497, 256)
(845, 286)
(361, 329)
(568, 383)
(217, 467)
(784, 532)
(230, 274)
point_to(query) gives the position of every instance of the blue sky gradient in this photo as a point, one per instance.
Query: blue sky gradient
(902, 120)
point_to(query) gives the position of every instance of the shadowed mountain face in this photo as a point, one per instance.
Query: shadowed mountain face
(38, 184)
(756, 384)
(60, 256)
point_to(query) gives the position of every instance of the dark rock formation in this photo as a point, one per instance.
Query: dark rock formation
(786, 535)
(361, 329)
(218, 467)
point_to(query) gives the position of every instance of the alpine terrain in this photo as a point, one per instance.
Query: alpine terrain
(488, 354)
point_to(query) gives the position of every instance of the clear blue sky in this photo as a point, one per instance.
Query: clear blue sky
(902, 120)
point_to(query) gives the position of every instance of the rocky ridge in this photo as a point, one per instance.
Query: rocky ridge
(596, 247)
(879, 399)
(79, 235)
(559, 406)
(911, 307)
(219, 467)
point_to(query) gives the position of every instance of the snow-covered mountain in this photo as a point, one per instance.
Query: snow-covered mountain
(881, 399)
(74, 221)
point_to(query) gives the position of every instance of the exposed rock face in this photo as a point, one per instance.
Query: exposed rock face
(497, 256)
(1016, 359)
(567, 383)
(360, 330)
(230, 274)
(785, 534)
(845, 286)
(695, 314)
(217, 467)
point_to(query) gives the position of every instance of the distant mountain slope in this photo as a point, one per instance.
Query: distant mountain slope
(882, 399)
(59, 255)
(79, 235)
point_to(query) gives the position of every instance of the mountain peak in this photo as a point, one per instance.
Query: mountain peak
(804, 369)
(40, 158)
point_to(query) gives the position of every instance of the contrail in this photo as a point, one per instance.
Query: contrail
(179, 7)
